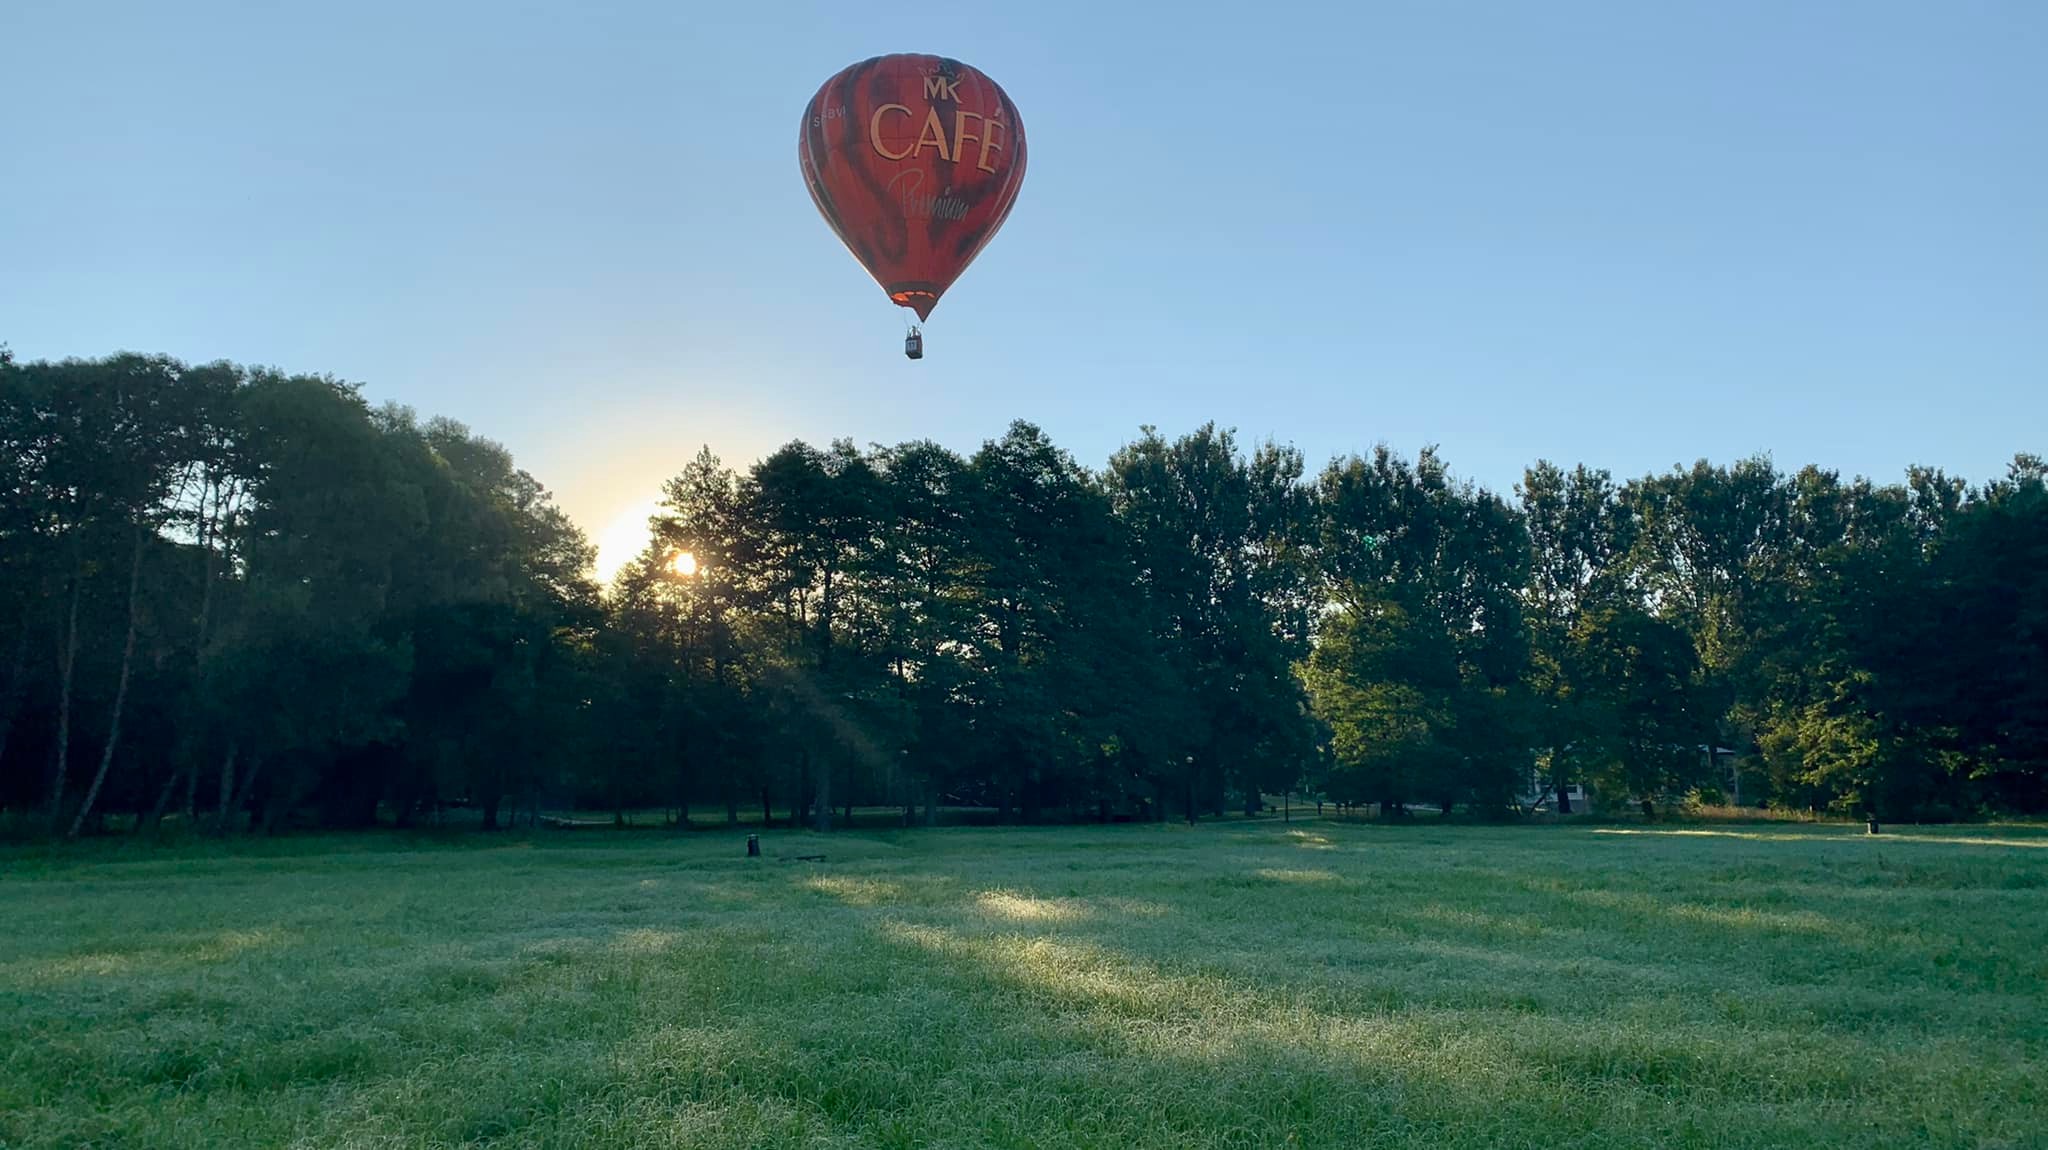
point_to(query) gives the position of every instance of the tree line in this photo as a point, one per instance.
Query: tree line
(238, 598)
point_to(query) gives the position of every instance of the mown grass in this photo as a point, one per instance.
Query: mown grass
(1242, 984)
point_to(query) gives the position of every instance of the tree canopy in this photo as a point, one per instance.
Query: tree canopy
(243, 598)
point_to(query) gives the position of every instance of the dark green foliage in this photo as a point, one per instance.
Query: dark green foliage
(232, 598)
(1420, 672)
(335, 608)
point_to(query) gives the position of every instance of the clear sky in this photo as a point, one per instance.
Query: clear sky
(1630, 234)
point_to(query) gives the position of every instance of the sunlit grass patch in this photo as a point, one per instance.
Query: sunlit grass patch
(230, 943)
(1026, 908)
(1487, 922)
(1039, 967)
(858, 891)
(97, 965)
(646, 941)
(1752, 918)
(157, 956)
(1309, 877)
(1133, 908)
(1836, 834)
(1310, 840)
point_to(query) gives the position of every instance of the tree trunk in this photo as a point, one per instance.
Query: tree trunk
(99, 777)
(163, 799)
(92, 793)
(191, 793)
(17, 671)
(209, 532)
(767, 809)
(732, 809)
(227, 789)
(491, 802)
(931, 804)
(67, 660)
(249, 788)
(1564, 798)
(824, 797)
(141, 811)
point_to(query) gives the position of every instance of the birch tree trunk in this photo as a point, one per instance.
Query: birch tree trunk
(17, 667)
(67, 661)
(99, 777)
(227, 789)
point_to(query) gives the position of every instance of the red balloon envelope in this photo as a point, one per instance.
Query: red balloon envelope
(914, 161)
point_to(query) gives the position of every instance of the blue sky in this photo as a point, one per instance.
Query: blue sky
(1621, 233)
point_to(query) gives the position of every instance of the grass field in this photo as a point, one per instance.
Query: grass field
(1239, 984)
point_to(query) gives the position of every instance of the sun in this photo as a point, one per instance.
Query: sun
(624, 538)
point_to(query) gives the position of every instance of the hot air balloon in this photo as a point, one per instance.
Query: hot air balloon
(915, 162)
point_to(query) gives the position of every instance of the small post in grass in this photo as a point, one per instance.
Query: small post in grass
(1873, 824)
(753, 846)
